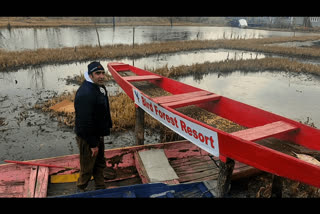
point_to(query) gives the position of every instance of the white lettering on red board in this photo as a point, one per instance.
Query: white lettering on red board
(203, 137)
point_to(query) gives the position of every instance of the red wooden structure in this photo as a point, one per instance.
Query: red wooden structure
(34, 178)
(239, 145)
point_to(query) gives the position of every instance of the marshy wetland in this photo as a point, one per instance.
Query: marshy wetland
(248, 67)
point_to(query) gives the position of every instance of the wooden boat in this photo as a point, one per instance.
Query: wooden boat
(258, 144)
(125, 167)
(255, 148)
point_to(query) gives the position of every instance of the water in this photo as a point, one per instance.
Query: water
(53, 77)
(18, 39)
(295, 96)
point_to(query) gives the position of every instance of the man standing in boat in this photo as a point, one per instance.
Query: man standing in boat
(92, 122)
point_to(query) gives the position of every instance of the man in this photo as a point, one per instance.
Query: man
(93, 121)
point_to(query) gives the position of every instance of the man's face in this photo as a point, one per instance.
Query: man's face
(98, 77)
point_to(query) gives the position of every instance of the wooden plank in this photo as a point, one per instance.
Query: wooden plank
(191, 98)
(199, 168)
(194, 165)
(192, 101)
(174, 181)
(139, 127)
(9, 189)
(268, 130)
(141, 78)
(157, 165)
(190, 160)
(204, 175)
(178, 97)
(42, 182)
(31, 184)
(140, 168)
(196, 168)
(121, 67)
(224, 177)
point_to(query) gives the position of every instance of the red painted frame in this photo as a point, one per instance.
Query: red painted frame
(236, 148)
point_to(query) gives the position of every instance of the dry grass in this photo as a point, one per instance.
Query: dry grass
(99, 21)
(122, 111)
(18, 59)
(262, 187)
(65, 118)
(271, 64)
(45, 21)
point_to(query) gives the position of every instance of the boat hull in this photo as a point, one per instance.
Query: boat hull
(123, 169)
(241, 146)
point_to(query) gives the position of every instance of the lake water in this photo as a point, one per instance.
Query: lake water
(30, 134)
(295, 96)
(53, 77)
(18, 39)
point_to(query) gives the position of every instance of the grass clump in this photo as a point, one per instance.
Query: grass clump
(273, 64)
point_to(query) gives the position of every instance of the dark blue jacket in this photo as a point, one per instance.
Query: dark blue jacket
(93, 117)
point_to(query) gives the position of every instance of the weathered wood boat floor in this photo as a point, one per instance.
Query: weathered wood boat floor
(189, 169)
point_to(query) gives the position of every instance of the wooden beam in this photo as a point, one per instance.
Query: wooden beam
(30, 185)
(268, 130)
(157, 166)
(192, 101)
(37, 184)
(277, 186)
(139, 127)
(141, 78)
(178, 97)
(42, 182)
(119, 67)
(140, 168)
(185, 99)
(224, 177)
(12, 189)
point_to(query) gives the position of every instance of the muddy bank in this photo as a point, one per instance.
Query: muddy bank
(27, 133)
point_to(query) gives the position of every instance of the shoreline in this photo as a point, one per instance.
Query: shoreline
(10, 60)
(45, 22)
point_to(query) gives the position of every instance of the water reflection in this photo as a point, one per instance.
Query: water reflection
(53, 77)
(292, 96)
(57, 37)
(37, 78)
(192, 57)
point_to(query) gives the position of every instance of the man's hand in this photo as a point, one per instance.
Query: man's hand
(94, 151)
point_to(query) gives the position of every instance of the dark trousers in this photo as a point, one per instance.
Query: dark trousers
(91, 166)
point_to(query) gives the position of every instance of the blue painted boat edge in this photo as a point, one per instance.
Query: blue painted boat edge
(151, 190)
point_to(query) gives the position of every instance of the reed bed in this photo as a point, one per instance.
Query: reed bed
(122, 108)
(270, 64)
(16, 59)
